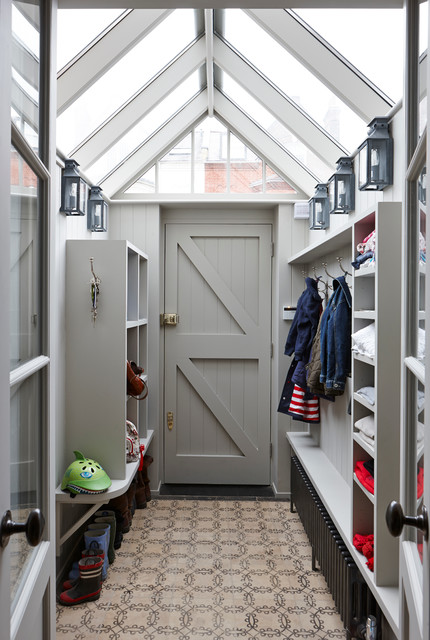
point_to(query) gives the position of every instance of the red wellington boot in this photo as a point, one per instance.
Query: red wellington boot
(89, 585)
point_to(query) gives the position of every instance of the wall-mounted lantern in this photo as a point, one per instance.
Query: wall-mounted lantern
(97, 211)
(375, 157)
(74, 190)
(319, 208)
(341, 187)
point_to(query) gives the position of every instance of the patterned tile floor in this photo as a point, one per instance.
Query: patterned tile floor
(209, 570)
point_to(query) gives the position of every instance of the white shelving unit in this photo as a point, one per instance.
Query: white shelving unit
(376, 300)
(353, 509)
(97, 404)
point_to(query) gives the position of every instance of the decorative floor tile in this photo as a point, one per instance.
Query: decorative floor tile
(209, 570)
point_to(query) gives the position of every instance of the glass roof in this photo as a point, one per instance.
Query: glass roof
(78, 27)
(382, 61)
(163, 75)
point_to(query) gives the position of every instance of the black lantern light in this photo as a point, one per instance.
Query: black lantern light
(341, 187)
(97, 211)
(376, 157)
(319, 208)
(73, 190)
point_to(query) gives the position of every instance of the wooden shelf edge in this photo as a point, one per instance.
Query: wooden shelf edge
(364, 402)
(367, 493)
(117, 488)
(363, 444)
(321, 472)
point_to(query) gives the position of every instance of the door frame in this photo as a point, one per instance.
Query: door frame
(214, 213)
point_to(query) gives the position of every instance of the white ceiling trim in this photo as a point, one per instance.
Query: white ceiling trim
(209, 35)
(266, 147)
(279, 105)
(135, 109)
(104, 53)
(156, 146)
(230, 4)
(328, 67)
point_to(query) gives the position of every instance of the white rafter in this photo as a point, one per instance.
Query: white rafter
(279, 105)
(136, 108)
(326, 64)
(209, 34)
(156, 146)
(104, 52)
(276, 156)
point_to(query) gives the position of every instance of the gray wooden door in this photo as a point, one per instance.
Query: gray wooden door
(217, 358)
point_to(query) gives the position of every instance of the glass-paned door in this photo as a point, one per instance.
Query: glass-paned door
(27, 557)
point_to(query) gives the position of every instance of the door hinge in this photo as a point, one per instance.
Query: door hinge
(272, 249)
(170, 420)
(271, 449)
(271, 350)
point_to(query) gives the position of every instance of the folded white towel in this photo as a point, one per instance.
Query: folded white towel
(363, 341)
(366, 425)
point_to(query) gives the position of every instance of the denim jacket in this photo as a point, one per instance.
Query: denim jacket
(336, 339)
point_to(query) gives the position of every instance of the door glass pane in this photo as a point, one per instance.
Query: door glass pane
(25, 471)
(26, 69)
(422, 261)
(420, 464)
(25, 288)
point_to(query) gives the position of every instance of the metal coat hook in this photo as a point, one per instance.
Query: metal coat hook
(339, 259)
(324, 264)
(94, 290)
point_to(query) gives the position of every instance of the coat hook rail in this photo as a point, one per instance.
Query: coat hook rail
(339, 259)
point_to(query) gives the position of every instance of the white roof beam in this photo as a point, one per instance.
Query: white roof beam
(104, 52)
(276, 156)
(156, 147)
(136, 108)
(279, 105)
(326, 64)
(25, 105)
(209, 34)
(25, 63)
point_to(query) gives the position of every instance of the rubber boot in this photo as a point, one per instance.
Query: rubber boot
(140, 491)
(105, 511)
(147, 460)
(101, 536)
(94, 552)
(111, 521)
(89, 584)
(121, 504)
(131, 497)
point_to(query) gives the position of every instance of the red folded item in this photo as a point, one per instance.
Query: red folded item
(359, 541)
(364, 476)
(367, 550)
(420, 483)
(365, 544)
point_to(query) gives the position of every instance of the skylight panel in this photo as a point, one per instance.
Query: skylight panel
(373, 46)
(125, 78)
(145, 184)
(273, 127)
(210, 157)
(174, 169)
(293, 79)
(145, 128)
(76, 28)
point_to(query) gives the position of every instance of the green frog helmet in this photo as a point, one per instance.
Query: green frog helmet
(85, 476)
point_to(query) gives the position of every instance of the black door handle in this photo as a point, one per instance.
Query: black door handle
(33, 527)
(396, 520)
